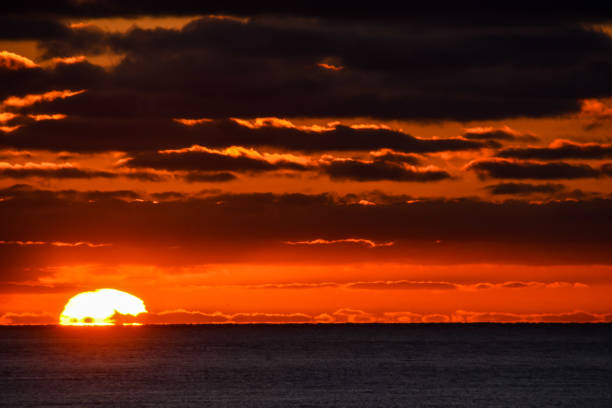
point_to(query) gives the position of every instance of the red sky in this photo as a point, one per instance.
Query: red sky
(294, 165)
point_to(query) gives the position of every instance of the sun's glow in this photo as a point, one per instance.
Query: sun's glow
(99, 307)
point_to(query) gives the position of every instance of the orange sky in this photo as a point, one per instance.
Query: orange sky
(224, 171)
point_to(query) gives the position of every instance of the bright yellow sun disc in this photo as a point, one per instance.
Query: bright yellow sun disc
(99, 307)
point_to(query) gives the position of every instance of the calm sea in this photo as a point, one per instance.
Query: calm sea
(307, 366)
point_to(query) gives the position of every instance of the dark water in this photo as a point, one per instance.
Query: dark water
(307, 366)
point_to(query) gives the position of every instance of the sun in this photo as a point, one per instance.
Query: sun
(99, 307)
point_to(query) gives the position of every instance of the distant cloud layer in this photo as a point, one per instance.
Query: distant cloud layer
(340, 316)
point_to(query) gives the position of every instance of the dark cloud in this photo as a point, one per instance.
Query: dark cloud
(515, 285)
(449, 12)
(30, 194)
(246, 214)
(578, 194)
(387, 155)
(168, 195)
(154, 133)
(88, 39)
(558, 150)
(524, 189)
(81, 75)
(53, 173)
(429, 72)
(357, 170)
(145, 176)
(255, 228)
(23, 27)
(99, 195)
(214, 177)
(506, 169)
(204, 164)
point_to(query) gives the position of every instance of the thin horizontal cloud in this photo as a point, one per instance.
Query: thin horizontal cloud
(504, 133)
(389, 155)
(192, 122)
(143, 175)
(402, 285)
(273, 131)
(54, 116)
(419, 285)
(272, 318)
(112, 134)
(461, 316)
(31, 99)
(559, 149)
(168, 195)
(296, 285)
(30, 193)
(181, 316)
(209, 177)
(35, 288)
(15, 154)
(361, 241)
(379, 169)
(525, 285)
(69, 60)
(56, 243)
(509, 169)
(524, 189)
(330, 67)
(200, 158)
(50, 170)
(27, 319)
(429, 285)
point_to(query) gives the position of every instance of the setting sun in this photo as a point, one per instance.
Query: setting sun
(97, 308)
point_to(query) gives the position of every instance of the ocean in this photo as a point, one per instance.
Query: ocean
(431, 365)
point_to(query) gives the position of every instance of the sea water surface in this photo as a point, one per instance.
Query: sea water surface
(437, 365)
